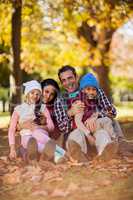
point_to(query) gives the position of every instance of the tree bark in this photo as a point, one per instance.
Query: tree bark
(15, 87)
(3, 106)
(102, 44)
(103, 70)
(103, 77)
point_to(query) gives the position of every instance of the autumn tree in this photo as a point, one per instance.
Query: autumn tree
(20, 43)
(94, 22)
(104, 17)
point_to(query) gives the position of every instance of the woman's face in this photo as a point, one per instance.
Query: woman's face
(48, 93)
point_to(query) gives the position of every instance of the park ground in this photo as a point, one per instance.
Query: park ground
(112, 180)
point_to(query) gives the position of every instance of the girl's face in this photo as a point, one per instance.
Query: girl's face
(34, 96)
(48, 93)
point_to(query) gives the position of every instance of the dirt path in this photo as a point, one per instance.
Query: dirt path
(111, 180)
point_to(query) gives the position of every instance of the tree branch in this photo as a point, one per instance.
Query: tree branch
(87, 32)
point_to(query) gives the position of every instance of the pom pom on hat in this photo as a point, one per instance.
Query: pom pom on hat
(32, 85)
(89, 80)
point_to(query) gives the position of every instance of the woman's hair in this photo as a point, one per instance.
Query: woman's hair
(52, 82)
(37, 111)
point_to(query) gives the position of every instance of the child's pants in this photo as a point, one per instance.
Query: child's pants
(106, 124)
(102, 139)
(42, 138)
(103, 134)
(39, 134)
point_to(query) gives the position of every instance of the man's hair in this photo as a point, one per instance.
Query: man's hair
(66, 68)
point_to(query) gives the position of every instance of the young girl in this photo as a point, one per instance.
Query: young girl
(37, 135)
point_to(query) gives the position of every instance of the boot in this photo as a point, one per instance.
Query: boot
(53, 152)
(74, 150)
(49, 151)
(22, 153)
(32, 150)
(109, 152)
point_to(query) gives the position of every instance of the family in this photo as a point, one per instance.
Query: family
(81, 118)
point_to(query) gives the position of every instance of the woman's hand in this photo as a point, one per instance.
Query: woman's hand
(12, 154)
(77, 107)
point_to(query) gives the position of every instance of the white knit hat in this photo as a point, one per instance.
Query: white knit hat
(32, 85)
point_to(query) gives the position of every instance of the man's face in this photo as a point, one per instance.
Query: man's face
(69, 81)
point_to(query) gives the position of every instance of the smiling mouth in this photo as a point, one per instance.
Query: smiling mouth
(71, 85)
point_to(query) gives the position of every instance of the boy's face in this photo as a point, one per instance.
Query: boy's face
(69, 81)
(91, 92)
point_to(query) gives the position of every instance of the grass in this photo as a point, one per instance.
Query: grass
(4, 119)
(4, 114)
(124, 112)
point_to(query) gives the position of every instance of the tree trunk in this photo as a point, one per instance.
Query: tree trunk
(102, 43)
(3, 105)
(15, 90)
(103, 77)
(103, 70)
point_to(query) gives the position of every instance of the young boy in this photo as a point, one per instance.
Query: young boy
(104, 134)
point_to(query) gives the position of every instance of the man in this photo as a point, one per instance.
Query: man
(69, 81)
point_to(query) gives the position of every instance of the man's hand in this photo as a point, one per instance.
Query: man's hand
(43, 119)
(109, 114)
(77, 107)
(90, 123)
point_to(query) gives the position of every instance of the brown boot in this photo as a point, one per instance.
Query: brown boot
(32, 150)
(109, 152)
(49, 151)
(75, 152)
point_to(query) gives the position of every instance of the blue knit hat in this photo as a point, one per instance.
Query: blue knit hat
(89, 80)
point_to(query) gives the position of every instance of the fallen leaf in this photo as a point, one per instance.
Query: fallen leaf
(59, 193)
(72, 187)
(40, 193)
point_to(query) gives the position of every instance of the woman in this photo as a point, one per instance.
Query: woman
(50, 92)
(31, 110)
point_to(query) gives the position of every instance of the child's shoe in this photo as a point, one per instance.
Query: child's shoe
(48, 151)
(109, 152)
(75, 152)
(52, 152)
(22, 153)
(32, 150)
